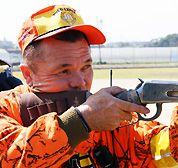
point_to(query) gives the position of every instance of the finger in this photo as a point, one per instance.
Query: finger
(131, 107)
(118, 116)
(115, 90)
(126, 116)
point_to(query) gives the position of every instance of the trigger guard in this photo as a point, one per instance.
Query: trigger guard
(158, 112)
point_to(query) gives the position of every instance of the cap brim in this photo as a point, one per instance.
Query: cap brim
(2, 62)
(94, 35)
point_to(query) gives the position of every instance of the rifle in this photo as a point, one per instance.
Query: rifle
(32, 105)
(151, 92)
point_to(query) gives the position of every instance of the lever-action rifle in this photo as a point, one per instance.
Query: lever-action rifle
(154, 92)
(32, 105)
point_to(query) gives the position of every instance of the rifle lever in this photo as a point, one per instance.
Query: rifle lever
(158, 112)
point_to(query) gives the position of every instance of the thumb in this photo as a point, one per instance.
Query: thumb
(115, 90)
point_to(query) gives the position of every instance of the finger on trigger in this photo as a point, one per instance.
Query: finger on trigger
(131, 107)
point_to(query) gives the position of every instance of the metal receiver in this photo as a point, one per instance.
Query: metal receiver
(154, 92)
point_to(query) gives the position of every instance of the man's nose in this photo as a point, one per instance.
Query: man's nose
(77, 80)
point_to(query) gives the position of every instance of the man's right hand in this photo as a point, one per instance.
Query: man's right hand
(102, 111)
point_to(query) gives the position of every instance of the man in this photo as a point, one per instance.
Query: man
(56, 58)
(7, 80)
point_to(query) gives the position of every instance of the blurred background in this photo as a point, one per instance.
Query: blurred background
(137, 32)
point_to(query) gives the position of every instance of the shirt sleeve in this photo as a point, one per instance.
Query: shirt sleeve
(45, 143)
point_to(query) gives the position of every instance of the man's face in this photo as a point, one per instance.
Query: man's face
(64, 66)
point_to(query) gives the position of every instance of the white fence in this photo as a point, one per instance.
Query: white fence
(118, 55)
(135, 55)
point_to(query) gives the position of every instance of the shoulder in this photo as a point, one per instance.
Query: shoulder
(16, 92)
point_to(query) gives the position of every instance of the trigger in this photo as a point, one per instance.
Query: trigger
(158, 112)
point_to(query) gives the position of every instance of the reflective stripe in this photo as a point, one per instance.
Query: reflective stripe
(160, 157)
(160, 150)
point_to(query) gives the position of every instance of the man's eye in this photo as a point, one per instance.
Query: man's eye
(86, 67)
(64, 71)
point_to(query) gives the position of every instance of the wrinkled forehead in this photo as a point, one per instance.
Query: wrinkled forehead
(57, 51)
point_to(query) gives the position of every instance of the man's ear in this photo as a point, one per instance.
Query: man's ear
(27, 74)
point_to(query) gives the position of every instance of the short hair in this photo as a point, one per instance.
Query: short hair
(31, 53)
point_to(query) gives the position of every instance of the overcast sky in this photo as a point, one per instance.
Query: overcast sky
(119, 20)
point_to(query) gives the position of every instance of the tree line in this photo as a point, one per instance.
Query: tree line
(170, 40)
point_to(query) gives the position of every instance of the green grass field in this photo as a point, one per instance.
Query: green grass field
(170, 73)
(160, 73)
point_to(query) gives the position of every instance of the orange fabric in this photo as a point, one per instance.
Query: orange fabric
(131, 144)
(18, 144)
(45, 144)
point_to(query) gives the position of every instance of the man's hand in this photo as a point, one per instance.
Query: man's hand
(102, 111)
